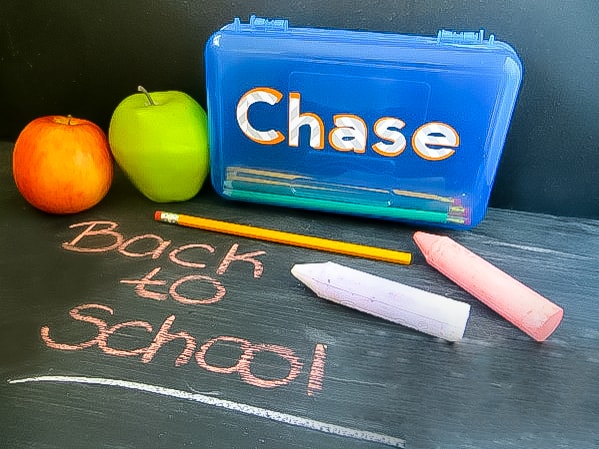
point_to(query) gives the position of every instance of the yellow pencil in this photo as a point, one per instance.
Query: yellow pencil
(287, 238)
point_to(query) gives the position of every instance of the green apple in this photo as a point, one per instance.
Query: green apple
(160, 140)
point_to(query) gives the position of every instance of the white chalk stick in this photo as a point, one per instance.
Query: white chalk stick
(418, 309)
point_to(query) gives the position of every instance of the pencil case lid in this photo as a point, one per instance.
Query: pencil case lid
(386, 125)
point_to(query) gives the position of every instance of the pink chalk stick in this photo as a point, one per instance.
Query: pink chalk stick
(523, 307)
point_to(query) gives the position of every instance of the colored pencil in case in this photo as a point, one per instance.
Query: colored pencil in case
(526, 309)
(287, 238)
(273, 183)
(346, 208)
(314, 191)
(347, 194)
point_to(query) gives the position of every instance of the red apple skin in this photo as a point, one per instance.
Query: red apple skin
(62, 165)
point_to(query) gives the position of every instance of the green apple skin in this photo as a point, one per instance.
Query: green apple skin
(161, 147)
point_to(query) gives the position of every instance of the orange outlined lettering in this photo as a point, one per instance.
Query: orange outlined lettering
(435, 141)
(350, 133)
(258, 95)
(388, 128)
(297, 120)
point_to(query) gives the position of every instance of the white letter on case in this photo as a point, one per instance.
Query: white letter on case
(387, 128)
(258, 95)
(435, 141)
(350, 134)
(297, 120)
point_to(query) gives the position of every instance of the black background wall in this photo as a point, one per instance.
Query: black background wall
(83, 57)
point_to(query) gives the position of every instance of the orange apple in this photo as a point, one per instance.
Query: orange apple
(62, 165)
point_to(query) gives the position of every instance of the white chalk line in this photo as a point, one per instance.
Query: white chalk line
(285, 418)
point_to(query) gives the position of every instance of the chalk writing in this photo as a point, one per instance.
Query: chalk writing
(174, 255)
(317, 370)
(102, 236)
(148, 279)
(243, 365)
(164, 335)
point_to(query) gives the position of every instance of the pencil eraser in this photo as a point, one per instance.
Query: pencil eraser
(520, 305)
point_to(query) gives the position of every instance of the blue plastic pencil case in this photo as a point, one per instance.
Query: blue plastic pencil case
(401, 127)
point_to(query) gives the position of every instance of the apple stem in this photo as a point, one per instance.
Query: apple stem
(69, 117)
(142, 89)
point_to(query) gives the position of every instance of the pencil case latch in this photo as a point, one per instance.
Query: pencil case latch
(469, 37)
(263, 24)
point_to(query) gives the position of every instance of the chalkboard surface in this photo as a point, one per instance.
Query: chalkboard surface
(118, 331)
